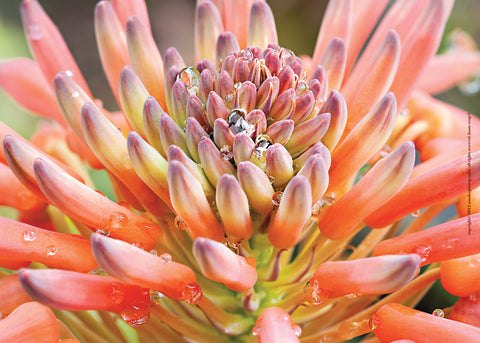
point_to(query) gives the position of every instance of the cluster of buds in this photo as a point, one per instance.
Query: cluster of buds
(261, 196)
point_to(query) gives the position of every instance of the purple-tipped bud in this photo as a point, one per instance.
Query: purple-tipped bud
(208, 26)
(178, 108)
(272, 61)
(171, 133)
(233, 207)
(226, 43)
(215, 108)
(304, 107)
(321, 75)
(206, 84)
(267, 94)
(287, 79)
(243, 147)
(195, 110)
(293, 213)
(228, 64)
(224, 84)
(337, 107)
(334, 61)
(315, 170)
(256, 185)
(279, 165)
(307, 133)
(222, 135)
(214, 164)
(151, 117)
(241, 70)
(315, 87)
(281, 131)
(172, 58)
(317, 148)
(193, 133)
(261, 31)
(191, 204)
(171, 77)
(245, 96)
(284, 106)
(258, 73)
(206, 64)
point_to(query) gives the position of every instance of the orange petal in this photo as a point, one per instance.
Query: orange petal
(128, 8)
(218, 263)
(443, 242)
(466, 311)
(460, 276)
(22, 76)
(25, 242)
(144, 269)
(73, 291)
(30, 322)
(395, 321)
(82, 203)
(275, 325)
(334, 60)
(261, 29)
(13, 294)
(442, 183)
(47, 44)
(208, 25)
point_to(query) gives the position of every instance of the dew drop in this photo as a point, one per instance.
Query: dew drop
(438, 313)
(271, 179)
(136, 315)
(416, 213)
(118, 220)
(190, 76)
(155, 295)
(352, 296)
(103, 232)
(314, 294)
(317, 208)
(192, 293)
(373, 323)
(29, 235)
(117, 292)
(256, 330)
(327, 199)
(51, 250)
(138, 245)
(276, 198)
(229, 100)
(180, 224)
(69, 73)
(423, 252)
(297, 330)
(450, 243)
(34, 31)
(98, 271)
(154, 252)
(166, 258)
(246, 55)
(75, 94)
(226, 152)
(233, 246)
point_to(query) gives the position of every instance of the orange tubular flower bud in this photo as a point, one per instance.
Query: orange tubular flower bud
(111, 43)
(275, 325)
(97, 129)
(208, 26)
(25, 242)
(466, 311)
(22, 76)
(315, 170)
(233, 207)
(307, 133)
(256, 185)
(337, 107)
(443, 242)
(47, 44)
(213, 163)
(261, 30)
(374, 275)
(146, 270)
(382, 182)
(293, 213)
(460, 276)
(132, 97)
(127, 8)
(73, 291)
(149, 165)
(145, 58)
(337, 22)
(191, 204)
(30, 322)
(368, 137)
(445, 182)
(13, 294)
(82, 203)
(334, 60)
(375, 76)
(279, 165)
(217, 262)
(394, 321)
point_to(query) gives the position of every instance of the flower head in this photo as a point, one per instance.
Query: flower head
(259, 195)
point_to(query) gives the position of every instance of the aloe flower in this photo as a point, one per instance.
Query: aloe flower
(261, 196)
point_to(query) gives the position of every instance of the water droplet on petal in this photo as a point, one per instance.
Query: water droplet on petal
(166, 258)
(136, 315)
(156, 296)
(138, 245)
(192, 293)
(352, 296)
(180, 224)
(69, 73)
(450, 243)
(118, 220)
(276, 198)
(75, 94)
(98, 271)
(297, 330)
(154, 252)
(118, 292)
(103, 232)
(416, 213)
(29, 235)
(256, 330)
(191, 77)
(34, 31)
(246, 55)
(438, 313)
(423, 252)
(51, 250)
(314, 294)
(373, 323)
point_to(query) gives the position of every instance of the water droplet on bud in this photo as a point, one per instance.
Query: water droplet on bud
(180, 224)
(352, 296)
(423, 252)
(117, 292)
(166, 258)
(51, 250)
(69, 73)
(136, 315)
(103, 232)
(416, 213)
(438, 313)
(246, 55)
(29, 235)
(297, 330)
(192, 293)
(118, 220)
(138, 245)
(373, 323)
(276, 198)
(314, 294)
(256, 330)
